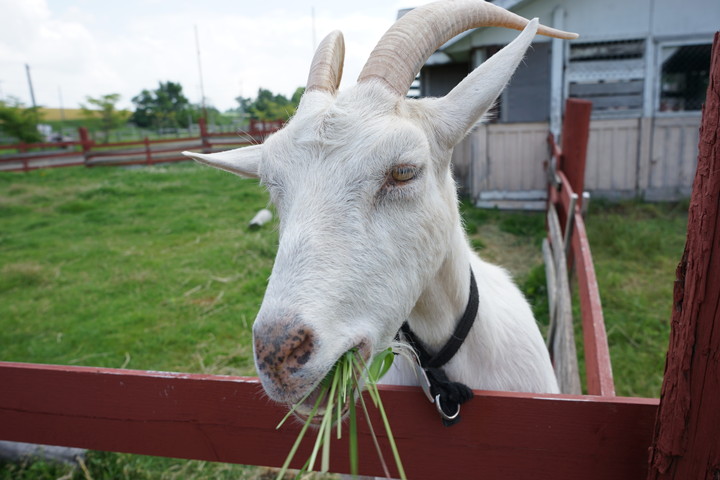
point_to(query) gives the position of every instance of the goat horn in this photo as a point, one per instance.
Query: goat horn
(327, 64)
(405, 47)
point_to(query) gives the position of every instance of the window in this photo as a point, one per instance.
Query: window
(684, 74)
(610, 74)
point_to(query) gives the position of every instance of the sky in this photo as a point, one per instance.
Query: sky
(80, 48)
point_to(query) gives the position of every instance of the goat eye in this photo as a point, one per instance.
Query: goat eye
(403, 173)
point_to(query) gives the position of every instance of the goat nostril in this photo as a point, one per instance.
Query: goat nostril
(283, 349)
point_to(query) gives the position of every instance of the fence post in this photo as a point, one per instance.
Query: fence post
(148, 152)
(85, 144)
(204, 136)
(685, 443)
(575, 135)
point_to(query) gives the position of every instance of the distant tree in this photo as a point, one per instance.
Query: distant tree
(296, 96)
(105, 112)
(269, 106)
(19, 122)
(164, 107)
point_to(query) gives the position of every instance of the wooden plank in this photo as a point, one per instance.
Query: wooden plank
(620, 102)
(515, 156)
(686, 443)
(576, 130)
(598, 368)
(551, 288)
(227, 419)
(480, 161)
(562, 335)
(585, 90)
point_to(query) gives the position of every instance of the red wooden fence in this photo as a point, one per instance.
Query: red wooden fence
(86, 152)
(226, 419)
(569, 163)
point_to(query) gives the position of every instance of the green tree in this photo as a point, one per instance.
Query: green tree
(105, 112)
(19, 122)
(269, 106)
(164, 107)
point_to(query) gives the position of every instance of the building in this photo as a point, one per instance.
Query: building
(643, 63)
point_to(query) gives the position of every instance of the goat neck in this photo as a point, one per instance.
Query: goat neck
(443, 302)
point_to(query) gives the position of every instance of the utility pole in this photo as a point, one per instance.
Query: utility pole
(62, 109)
(202, 87)
(32, 92)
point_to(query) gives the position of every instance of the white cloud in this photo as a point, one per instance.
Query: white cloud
(83, 49)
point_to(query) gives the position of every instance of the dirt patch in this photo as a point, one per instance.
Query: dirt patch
(518, 255)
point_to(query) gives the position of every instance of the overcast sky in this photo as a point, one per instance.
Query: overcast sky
(77, 48)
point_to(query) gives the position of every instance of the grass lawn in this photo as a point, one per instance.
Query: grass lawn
(155, 268)
(148, 268)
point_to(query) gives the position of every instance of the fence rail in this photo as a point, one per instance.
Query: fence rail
(566, 177)
(148, 152)
(227, 419)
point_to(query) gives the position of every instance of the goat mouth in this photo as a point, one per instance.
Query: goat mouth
(304, 410)
(333, 395)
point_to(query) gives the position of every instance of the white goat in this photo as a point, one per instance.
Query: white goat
(370, 234)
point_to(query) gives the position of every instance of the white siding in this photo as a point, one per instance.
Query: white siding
(623, 160)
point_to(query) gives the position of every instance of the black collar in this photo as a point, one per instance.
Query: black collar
(446, 395)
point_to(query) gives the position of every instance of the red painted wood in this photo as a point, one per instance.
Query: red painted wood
(227, 419)
(205, 140)
(575, 134)
(686, 442)
(40, 155)
(598, 366)
(143, 147)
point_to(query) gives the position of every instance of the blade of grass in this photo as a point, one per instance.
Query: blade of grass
(295, 446)
(326, 426)
(352, 442)
(374, 437)
(391, 438)
(348, 375)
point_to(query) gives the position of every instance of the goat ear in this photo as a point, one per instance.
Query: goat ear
(460, 109)
(242, 161)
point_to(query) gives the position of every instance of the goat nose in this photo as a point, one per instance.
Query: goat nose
(282, 348)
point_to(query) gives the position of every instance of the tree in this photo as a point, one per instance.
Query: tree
(19, 122)
(268, 106)
(105, 112)
(164, 107)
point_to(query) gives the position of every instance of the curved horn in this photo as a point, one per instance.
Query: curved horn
(327, 64)
(405, 47)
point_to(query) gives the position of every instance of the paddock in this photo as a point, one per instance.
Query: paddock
(502, 435)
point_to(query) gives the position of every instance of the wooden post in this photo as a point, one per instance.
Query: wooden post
(686, 442)
(575, 134)
(204, 137)
(86, 143)
(148, 152)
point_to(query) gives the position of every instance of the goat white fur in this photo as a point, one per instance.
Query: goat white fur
(370, 234)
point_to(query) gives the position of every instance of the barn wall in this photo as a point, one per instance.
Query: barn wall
(650, 158)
